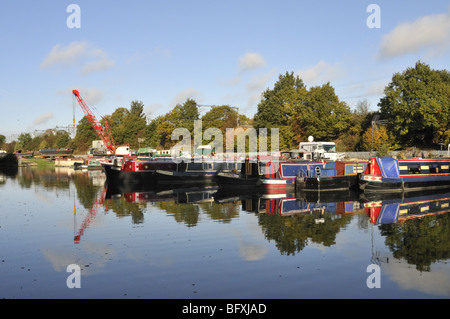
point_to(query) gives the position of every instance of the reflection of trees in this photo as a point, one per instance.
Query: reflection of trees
(419, 241)
(221, 212)
(45, 177)
(187, 213)
(122, 208)
(86, 190)
(291, 233)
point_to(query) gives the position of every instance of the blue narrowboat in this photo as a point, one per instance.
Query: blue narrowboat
(387, 174)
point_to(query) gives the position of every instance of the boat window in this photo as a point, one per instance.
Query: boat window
(414, 169)
(434, 168)
(330, 148)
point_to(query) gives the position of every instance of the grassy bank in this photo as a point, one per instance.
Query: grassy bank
(39, 162)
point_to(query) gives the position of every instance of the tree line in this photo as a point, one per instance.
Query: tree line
(414, 111)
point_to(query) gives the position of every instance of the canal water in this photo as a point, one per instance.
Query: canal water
(64, 235)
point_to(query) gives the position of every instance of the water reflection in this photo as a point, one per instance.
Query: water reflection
(415, 228)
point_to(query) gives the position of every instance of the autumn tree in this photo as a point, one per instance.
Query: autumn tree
(417, 104)
(377, 139)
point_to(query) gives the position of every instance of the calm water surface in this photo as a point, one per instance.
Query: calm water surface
(197, 243)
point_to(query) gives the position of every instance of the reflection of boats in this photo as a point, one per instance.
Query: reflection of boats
(153, 193)
(267, 173)
(292, 206)
(386, 174)
(384, 210)
(339, 175)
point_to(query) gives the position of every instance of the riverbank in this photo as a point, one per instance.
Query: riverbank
(38, 162)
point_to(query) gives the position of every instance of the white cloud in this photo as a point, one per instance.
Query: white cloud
(43, 118)
(251, 61)
(321, 73)
(429, 32)
(93, 59)
(181, 97)
(64, 55)
(99, 65)
(256, 86)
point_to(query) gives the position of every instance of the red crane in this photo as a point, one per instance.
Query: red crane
(106, 137)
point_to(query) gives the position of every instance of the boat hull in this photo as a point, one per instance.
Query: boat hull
(169, 177)
(135, 172)
(328, 183)
(368, 183)
(228, 180)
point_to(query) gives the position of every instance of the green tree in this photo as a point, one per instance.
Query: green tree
(61, 140)
(2, 140)
(134, 124)
(322, 115)
(277, 107)
(360, 121)
(221, 117)
(118, 125)
(24, 143)
(417, 104)
(84, 136)
(181, 116)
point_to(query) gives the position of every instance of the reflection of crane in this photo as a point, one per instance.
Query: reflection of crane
(106, 137)
(89, 217)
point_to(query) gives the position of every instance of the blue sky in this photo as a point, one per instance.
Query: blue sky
(216, 52)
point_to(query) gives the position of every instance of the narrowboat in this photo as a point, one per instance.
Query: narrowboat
(387, 211)
(334, 176)
(387, 174)
(195, 172)
(55, 152)
(267, 173)
(135, 171)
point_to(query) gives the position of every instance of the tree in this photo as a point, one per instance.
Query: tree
(221, 117)
(85, 135)
(360, 121)
(377, 138)
(24, 142)
(417, 104)
(277, 107)
(61, 140)
(181, 116)
(117, 124)
(134, 124)
(2, 140)
(322, 115)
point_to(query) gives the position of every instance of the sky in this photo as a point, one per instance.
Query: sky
(215, 52)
